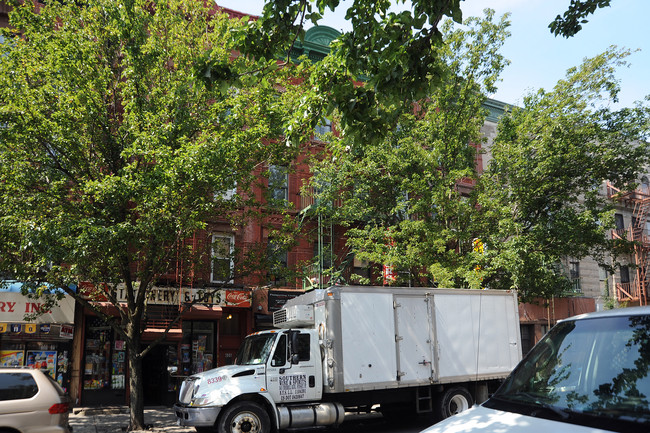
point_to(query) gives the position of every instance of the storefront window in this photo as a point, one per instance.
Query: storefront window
(197, 348)
(51, 357)
(105, 358)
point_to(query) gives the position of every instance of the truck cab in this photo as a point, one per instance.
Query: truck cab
(271, 367)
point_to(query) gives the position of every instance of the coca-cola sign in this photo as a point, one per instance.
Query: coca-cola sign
(221, 297)
(238, 298)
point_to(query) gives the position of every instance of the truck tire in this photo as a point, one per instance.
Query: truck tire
(244, 417)
(453, 401)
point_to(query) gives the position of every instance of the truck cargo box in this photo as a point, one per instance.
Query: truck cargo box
(378, 338)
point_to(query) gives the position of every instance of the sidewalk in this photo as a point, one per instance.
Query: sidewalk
(158, 419)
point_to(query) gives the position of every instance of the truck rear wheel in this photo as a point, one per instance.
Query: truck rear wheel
(453, 401)
(244, 417)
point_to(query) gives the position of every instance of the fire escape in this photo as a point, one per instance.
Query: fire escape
(160, 315)
(635, 292)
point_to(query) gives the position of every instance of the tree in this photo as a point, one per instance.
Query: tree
(574, 17)
(124, 124)
(541, 199)
(399, 197)
(394, 53)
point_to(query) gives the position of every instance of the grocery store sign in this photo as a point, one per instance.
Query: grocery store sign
(175, 296)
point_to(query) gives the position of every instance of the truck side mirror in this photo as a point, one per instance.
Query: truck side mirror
(295, 358)
(172, 369)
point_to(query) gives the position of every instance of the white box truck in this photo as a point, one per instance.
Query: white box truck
(352, 348)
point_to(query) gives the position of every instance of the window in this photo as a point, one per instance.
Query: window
(228, 194)
(303, 347)
(278, 262)
(574, 274)
(324, 127)
(602, 273)
(618, 219)
(17, 386)
(222, 258)
(280, 354)
(625, 275)
(278, 182)
(645, 185)
(361, 268)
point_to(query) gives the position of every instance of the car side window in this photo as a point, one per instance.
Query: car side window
(17, 386)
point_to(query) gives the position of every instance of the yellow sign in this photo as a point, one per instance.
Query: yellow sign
(3, 328)
(30, 328)
(478, 246)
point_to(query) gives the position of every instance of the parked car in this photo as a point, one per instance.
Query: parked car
(590, 373)
(31, 401)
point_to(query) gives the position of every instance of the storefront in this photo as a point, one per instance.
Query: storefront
(45, 343)
(208, 336)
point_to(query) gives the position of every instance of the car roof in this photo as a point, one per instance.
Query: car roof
(617, 312)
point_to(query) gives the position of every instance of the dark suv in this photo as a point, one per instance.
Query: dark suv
(31, 401)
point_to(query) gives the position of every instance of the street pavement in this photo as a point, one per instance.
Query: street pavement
(158, 419)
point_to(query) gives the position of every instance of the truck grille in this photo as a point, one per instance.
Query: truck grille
(187, 390)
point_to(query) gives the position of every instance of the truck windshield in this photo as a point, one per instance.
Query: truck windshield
(592, 372)
(255, 349)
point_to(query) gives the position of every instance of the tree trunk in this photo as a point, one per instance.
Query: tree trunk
(136, 391)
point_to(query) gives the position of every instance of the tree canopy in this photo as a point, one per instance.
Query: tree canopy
(415, 201)
(542, 197)
(124, 126)
(399, 197)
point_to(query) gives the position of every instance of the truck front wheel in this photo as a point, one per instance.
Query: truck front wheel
(244, 417)
(453, 401)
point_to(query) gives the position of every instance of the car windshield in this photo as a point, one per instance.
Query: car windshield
(590, 368)
(255, 349)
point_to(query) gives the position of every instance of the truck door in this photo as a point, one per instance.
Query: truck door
(414, 338)
(288, 382)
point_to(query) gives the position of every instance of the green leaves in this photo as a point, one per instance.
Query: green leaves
(125, 124)
(543, 190)
(571, 21)
(400, 196)
(392, 52)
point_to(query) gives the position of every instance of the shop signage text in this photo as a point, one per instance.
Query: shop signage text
(14, 307)
(170, 296)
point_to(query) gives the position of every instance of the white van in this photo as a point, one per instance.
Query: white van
(590, 373)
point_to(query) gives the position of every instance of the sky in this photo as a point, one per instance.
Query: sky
(539, 59)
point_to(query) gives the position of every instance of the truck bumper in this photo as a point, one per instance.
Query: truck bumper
(196, 416)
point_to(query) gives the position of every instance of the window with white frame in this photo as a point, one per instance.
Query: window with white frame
(223, 245)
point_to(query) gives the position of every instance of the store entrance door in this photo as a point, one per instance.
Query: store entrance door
(155, 378)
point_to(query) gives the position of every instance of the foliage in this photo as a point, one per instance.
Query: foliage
(574, 17)
(400, 196)
(394, 53)
(542, 198)
(125, 124)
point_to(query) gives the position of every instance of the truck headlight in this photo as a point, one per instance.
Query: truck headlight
(201, 401)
